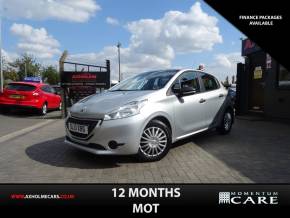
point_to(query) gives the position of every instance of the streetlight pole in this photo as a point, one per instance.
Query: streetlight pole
(119, 60)
(1, 63)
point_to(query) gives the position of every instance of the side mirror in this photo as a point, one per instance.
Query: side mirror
(176, 89)
(183, 91)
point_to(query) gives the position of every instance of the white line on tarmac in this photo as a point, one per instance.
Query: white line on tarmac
(23, 131)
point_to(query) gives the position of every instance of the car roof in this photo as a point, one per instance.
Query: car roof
(29, 83)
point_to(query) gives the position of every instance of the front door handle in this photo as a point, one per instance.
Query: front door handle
(202, 100)
(221, 95)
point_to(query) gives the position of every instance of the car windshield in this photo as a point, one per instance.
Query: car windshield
(20, 87)
(153, 80)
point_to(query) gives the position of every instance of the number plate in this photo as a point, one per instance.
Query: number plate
(16, 96)
(74, 127)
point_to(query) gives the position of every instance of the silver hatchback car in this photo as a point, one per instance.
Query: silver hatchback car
(146, 113)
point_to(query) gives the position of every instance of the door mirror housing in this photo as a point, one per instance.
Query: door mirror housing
(183, 90)
(176, 89)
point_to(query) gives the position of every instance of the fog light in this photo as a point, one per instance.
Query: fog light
(114, 144)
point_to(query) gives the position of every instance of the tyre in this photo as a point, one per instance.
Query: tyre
(226, 122)
(43, 110)
(155, 141)
(5, 110)
(60, 106)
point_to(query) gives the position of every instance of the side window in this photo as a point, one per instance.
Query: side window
(52, 90)
(209, 82)
(190, 79)
(45, 89)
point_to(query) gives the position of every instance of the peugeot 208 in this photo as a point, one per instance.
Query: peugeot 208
(146, 113)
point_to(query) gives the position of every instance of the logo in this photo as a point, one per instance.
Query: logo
(258, 198)
(224, 198)
(84, 109)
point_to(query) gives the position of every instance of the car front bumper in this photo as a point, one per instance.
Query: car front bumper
(126, 133)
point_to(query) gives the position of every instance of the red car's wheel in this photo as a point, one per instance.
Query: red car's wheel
(43, 109)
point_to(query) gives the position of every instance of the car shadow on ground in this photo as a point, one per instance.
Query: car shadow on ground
(56, 153)
(259, 151)
(31, 114)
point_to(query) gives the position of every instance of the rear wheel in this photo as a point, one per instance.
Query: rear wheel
(226, 123)
(43, 110)
(155, 141)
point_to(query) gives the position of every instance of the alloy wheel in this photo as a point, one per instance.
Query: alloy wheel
(153, 141)
(44, 109)
(227, 121)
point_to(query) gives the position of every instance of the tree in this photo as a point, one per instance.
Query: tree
(50, 75)
(226, 82)
(27, 66)
(10, 75)
(9, 72)
(234, 79)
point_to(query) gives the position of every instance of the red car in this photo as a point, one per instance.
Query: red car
(38, 96)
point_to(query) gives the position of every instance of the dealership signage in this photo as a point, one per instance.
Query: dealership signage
(97, 79)
(249, 47)
(251, 197)
(35, 79)
(82, 83)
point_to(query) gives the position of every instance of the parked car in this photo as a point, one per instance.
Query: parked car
(146, 113)
(232, 93)
(32, 95)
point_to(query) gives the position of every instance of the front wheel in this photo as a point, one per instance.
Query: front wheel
(226, 123)
(155, 141)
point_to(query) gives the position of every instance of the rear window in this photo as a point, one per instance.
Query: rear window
(20, 87)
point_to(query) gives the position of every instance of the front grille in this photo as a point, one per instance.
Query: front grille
(90, 123)
(91, 145)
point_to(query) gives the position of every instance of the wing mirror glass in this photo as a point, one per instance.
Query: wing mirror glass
(176, 89)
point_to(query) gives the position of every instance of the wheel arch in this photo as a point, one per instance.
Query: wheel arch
(231, 110)
(164, 120)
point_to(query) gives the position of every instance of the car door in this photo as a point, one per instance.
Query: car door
(49, 96)
(189, 110)
(56, 97)
(214, 96)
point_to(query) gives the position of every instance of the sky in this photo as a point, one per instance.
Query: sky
(154, 34)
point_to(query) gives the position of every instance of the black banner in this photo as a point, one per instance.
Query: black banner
(147, 199)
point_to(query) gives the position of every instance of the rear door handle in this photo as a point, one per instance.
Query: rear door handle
(221, 95)
(202, 100)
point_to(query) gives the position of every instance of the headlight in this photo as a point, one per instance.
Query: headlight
(128, 110)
